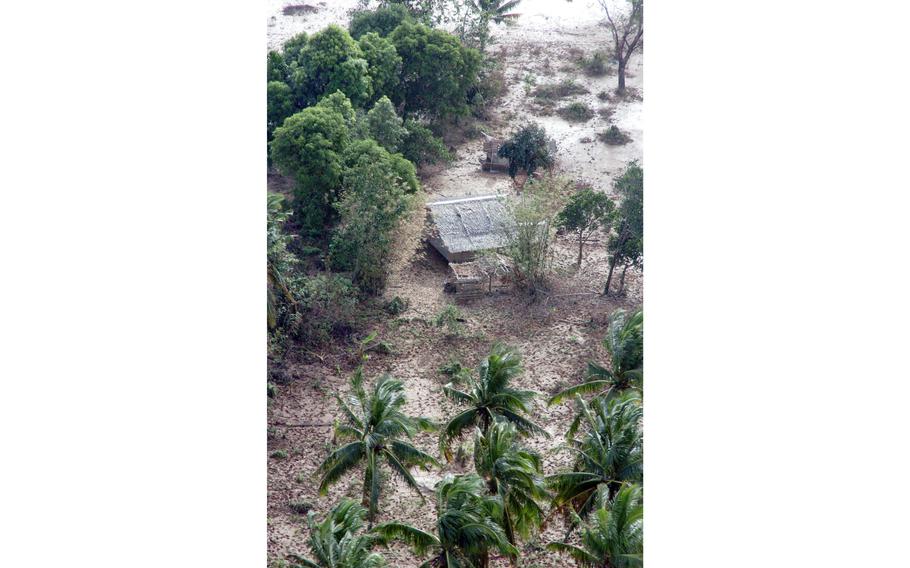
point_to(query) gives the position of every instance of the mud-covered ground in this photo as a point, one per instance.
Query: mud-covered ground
(557, 336)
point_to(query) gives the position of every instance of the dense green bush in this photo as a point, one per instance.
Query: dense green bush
(527, 149)
(576, 112)
(331, 61)
(437, 71)
(585, 213)
(385, 127)
(384, 64)
(396, 166)
(381, 21)
(292, 48)
(421, 146)
(280, 104)
(614, 136)
(276, 68)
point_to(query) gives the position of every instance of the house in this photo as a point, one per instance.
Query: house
(461, 227)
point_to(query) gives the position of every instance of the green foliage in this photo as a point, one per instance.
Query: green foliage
(271, 390)
(276, 68)
(597, 65)
(527, 149)
(385, 126)
(330, 303)
(279, 455)
(280, 104)
(576, 112)
(613, 136)
(421, 146)
(626, 245)
(437, 71)
(396, 167)
(586, 212)
(499, 11)
(382, 20)
(397, 306)
(300, 507)
(565, 88)
(608, 454)
(515, 474)
(451, 319)
(376, 428)
(625, 345)
(292, 48)
(332, 61)
(467, 526)
(339, 541)
(309, 146)
(384, 64)
(614, 537)
(281, 297)
(490, 397)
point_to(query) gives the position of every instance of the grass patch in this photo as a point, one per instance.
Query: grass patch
(597, 65)
(279, 455)
(561, 90)
(576, 112)
(300, 507)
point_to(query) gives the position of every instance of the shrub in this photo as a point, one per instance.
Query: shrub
(276, 68)
(576, 112)
(271, 390)
(565, 88)
(331, 303)
(332, 61)
(381, 21)
(614, 136)
(279, 104)
(383, 63)
(279, 455)
(397, 306)
(597, 65)
(603, 96)
(301, 507)
(451, 319)
(528, 149)
(385, 126)
(421, 147)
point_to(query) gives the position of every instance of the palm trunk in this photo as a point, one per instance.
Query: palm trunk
(622, 279)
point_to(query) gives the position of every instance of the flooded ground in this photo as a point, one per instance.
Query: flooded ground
(557, 336)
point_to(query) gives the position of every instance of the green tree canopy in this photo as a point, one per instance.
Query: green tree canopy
(382, 21)
(339, 542)
(437, 71)
(421, 146)
(384, 64)
(276, 68)
(527, 149)
(585, 213)
(332, 61)
(626, 246)
(367, 151)
(309, 146)
(280, 104)
(386, 127)
(292, 48)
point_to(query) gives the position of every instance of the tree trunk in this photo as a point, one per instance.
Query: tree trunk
(621, 74)
(581, 244)
(610, 276)
(622, 279)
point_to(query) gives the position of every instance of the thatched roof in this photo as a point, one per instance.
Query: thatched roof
(470, 223)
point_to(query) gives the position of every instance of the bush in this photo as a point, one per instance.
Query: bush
(451, 319)
(597, 65)
(384, 64)
(421, 147)
(300, 507)
(491, 85)
(576, 112)
(397, 306)
(565, 88)
(279, 104)
(528, 149)
(385, 126)
(394, 166)
(330, 303)
(271, 390)
(332, 61)
(381, 21)
(614, 136)
(279, 455)
(276, 68)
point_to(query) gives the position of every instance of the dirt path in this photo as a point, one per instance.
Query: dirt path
(557, 337)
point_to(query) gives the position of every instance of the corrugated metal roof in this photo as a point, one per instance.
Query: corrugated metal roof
(471, 223)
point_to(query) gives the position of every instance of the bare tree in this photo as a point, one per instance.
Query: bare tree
(627, 30)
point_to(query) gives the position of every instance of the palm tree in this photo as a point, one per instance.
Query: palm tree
(514, 473)
(614, 539)
(609, 453)
(375, 424)
(498, 10)
(490, 397)
(625, 344)
(334, 542)
(467, 526)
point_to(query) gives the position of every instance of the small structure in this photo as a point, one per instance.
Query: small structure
(461, 227)
(491, 161)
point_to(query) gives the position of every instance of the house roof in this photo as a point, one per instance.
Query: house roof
(471, 223)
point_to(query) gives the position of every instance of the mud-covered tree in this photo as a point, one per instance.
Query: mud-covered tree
(279, 104)
(384, 64)
(528, 148)
(626, 25)
(614, 537)
(339, 541)
(377, 429)
(515, 474)
(385, 126)
(586, 212)
(489, 397)
(309, 146)
(332, 61)
(626, 246)
(467, 526)
(437, 71)
(382, 21)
